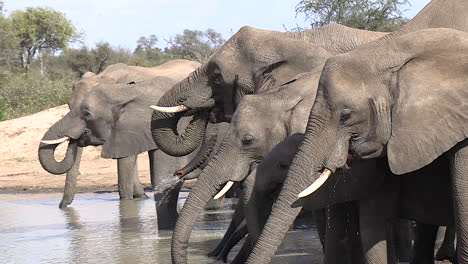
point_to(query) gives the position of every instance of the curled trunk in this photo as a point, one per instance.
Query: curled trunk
(164, 125)
(207, 146)
(60, 129)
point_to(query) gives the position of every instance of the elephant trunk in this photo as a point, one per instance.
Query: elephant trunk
(164, 125)
(65, 127)
(207, 146)
(202, 192)
(212, 179)
(307, 162)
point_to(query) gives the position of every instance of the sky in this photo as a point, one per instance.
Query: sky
(122, 22)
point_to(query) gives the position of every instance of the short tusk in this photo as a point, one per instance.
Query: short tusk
(56, 141)
(224, 190)
(171, 109)
(314, 186)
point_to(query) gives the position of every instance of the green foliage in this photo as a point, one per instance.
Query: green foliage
(195, 44)
(22, 94)
(376, 15)
(41, 28)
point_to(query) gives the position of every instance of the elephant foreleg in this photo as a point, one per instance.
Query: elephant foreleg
(236, 236)
(138, 189)
(424, 242)
(166, 196)
(447, 249)
(374, 216)
(237, 218)
(459, 170)
(126, 168)
(71, 180)
(155, 180)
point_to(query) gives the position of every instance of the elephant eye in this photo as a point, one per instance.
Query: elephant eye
(88, 115)
(345, 115)
(247, 140)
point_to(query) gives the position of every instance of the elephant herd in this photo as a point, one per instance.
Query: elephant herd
(361, 127)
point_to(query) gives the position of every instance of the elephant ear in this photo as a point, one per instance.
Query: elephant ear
(430, 111)
(131, 133)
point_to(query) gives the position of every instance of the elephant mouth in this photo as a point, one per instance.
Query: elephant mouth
(88, 139)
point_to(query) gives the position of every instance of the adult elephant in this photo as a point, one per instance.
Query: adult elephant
(252, 61)
(409, 108)
(122, 134)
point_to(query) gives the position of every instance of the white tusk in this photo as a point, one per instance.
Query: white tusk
(224, 190)
(171, 109)
(56, 141)
(317, 183)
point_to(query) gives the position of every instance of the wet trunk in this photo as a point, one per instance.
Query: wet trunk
(201, 194)
(64, 127)
(305, 169)
(164, 125)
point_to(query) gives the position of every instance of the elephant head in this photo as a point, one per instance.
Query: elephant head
(252, 61)
(258, 125)
(403, 100)
(116, 116)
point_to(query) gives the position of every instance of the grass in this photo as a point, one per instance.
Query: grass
(20, 159)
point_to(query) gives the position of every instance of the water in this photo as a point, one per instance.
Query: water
(102, 229)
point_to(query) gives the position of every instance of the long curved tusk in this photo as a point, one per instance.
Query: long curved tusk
(317, 183)
(171, 109)
(55, 141)
(224, 190)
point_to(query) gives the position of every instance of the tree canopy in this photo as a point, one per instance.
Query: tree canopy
(37, 29)
(376, 15)
(195, 44)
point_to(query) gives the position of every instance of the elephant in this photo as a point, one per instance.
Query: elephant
(249, 138)
(252, 61)
(407, 112)
(117, 116)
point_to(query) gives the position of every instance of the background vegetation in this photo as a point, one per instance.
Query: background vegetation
(38, 64)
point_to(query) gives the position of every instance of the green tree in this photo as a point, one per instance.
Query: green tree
(41, 28)
(376, 15)
(195, 44)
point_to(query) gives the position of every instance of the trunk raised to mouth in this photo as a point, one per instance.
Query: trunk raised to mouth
(207, 147)
(164, 125)
(56, 131)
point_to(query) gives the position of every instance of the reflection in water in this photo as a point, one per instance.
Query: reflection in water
(102, 229)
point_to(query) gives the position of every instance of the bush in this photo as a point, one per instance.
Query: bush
(22, 95)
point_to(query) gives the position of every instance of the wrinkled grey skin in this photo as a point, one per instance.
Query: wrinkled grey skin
(424, 80)
(117, 116)
(117, 73)
(259, 124)
(252, 61)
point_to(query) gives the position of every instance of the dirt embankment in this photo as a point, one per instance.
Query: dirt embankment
(20, 170)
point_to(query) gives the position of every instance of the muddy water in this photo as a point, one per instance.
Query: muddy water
(102, 229)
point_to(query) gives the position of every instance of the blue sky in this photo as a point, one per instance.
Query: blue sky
(122, 22)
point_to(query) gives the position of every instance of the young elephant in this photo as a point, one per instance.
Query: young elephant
(258, 125)
(405, 102)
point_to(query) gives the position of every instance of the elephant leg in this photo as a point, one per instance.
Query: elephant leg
(166, 195)
(126, 170)
(321, 225)
(237, 218)
(71, 180)
(155, 179)
(459, 170)
(138, 189)
(424, 242)
(447, 249)
(374, 216)
(342, 244)
(237, 236)
(244, 252)
(402, 239)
